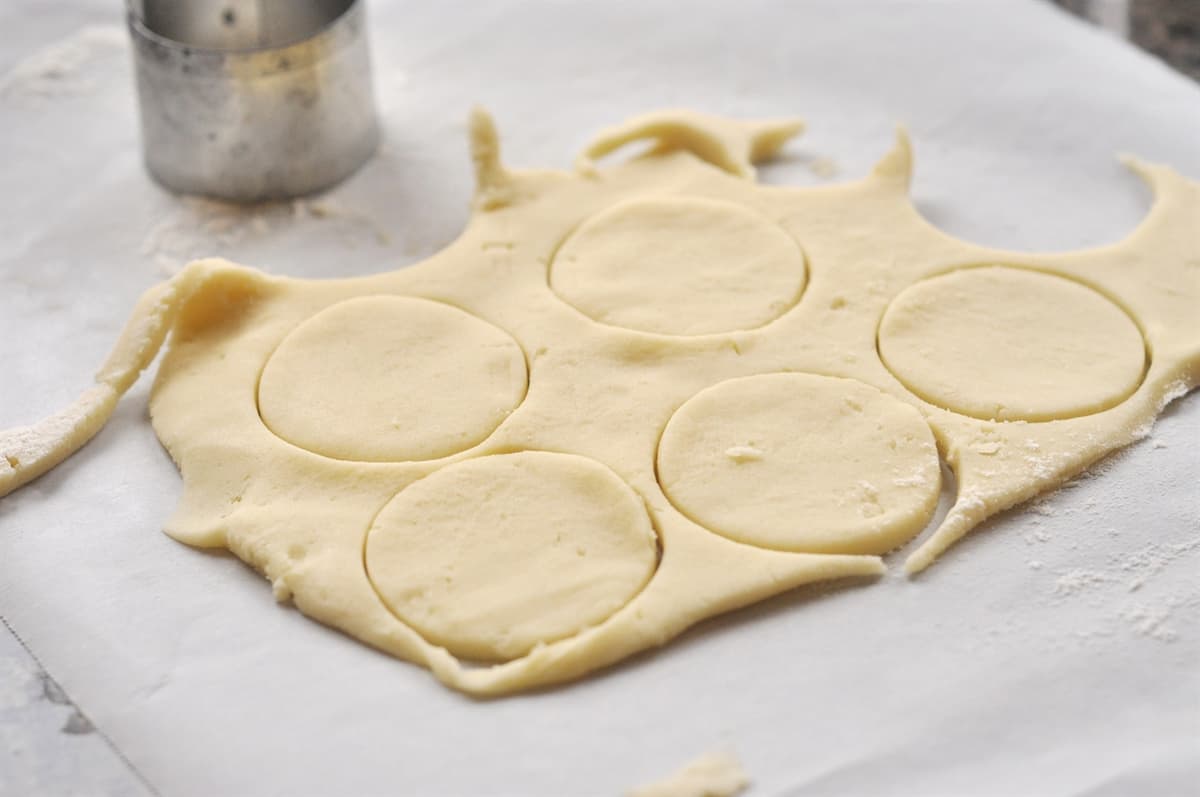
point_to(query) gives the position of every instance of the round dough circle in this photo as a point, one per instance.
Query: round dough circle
(801, 462)
(491, 556)
(679, 266)
(391, 378)
(1010, 344)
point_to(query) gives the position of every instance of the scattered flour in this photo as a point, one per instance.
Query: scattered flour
(200, 227)
(918, 479)
(1112, 573)
(1143, 564)
(61, 68)
(1150, 621)
(1042, 506)
(1076, 580)
(19, 685)
(1036, 536)
(1151, 617)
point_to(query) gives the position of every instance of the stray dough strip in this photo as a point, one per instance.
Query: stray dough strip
(27, 452)
(729, 144)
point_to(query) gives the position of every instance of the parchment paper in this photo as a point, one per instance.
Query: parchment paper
(1056, 651)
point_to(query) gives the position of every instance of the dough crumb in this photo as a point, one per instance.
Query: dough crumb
(744, 453)
(1035, 537)
(711, 775)
(281, 590)
(1042, 507)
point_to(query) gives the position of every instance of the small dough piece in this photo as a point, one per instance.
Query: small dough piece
(679, 266)
(840, 467)
(391, 378)
(711, 775)
(1010, 344)
(492, 556)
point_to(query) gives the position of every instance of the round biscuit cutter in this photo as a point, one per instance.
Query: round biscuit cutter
(253, 100)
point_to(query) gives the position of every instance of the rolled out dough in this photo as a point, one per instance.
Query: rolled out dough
(624, 265)
(395, 366)
(633, 397)
(456, 553)
(801, 462)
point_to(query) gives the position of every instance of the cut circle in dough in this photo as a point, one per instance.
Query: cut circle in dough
(391, 379)
(656, 265)
(491, 556)
(1011, 344)
(801, 462)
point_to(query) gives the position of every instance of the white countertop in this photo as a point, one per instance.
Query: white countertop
(1056, 651)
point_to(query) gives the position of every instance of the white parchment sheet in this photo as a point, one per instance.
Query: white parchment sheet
(1055, 652)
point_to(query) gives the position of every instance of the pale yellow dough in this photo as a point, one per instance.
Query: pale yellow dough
(629, 398)
(801, 462)
(623, 266)
(491, 556)
(711, 775)
(388, 378)
(1011, 344)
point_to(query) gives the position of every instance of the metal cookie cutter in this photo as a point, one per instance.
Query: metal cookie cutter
(250, 100)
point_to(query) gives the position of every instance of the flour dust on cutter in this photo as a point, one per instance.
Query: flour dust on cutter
(630, 397)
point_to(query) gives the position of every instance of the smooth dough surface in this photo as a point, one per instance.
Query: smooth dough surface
(384, 378)
(637, 362)
(491, 556)
(1011, 344)
(801, 462)
(627, 265)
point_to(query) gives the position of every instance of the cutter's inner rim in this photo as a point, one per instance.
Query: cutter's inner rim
(235, 26)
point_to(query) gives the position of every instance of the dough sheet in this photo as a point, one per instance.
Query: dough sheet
(636, 395)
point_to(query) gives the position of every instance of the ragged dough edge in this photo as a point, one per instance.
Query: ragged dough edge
(30, 451)
(329, 585)
(1173, 370)
(328, 582)
(979, 500)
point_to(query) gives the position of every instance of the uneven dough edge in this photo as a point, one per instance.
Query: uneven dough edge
(30, 451)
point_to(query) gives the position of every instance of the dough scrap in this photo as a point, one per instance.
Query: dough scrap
(711, 775)
(602, 394)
